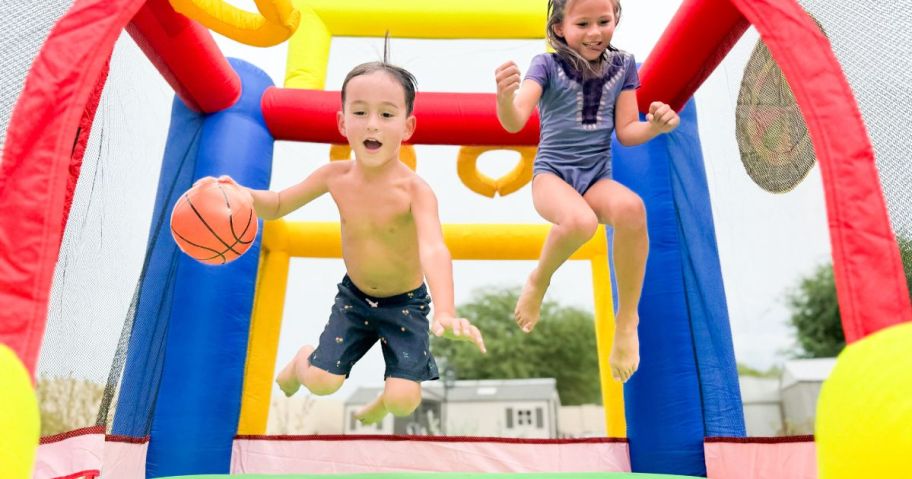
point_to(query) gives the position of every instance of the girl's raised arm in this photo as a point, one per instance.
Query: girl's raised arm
(515, 103)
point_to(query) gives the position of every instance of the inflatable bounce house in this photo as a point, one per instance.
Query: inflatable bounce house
(189, 350)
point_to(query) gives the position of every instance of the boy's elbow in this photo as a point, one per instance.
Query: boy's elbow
(267, 213)
(435, 253)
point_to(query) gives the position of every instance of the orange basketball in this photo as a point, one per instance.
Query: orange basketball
(214, 222)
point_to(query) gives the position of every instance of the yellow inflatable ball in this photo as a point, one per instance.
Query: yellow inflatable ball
(19, 418)
(864, 414)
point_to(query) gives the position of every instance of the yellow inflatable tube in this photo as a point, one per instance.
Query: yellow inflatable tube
(467, 169)
(507, 19)
(276, 22)
(308, 48)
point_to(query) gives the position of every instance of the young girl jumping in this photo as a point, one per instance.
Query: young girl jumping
(584, 91)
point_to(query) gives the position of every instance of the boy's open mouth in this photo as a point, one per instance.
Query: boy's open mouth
(372, 144)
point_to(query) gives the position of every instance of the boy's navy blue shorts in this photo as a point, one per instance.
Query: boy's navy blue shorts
(359, 320)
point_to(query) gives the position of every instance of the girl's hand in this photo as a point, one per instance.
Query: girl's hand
(662, 117)
(507, 76)
(457, 328)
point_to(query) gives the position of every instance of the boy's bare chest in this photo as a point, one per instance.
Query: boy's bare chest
(373, 212)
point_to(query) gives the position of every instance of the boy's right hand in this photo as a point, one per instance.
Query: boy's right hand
(226, 180)
(459, 329)
(204, 180)
(508, 79)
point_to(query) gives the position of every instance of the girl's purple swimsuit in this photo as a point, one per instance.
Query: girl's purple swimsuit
(577, 117)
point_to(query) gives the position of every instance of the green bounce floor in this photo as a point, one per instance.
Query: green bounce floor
(446, 475)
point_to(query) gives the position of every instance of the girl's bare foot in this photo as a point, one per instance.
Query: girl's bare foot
(625, 354)
(287, 378)
(528, 307)
(373, 412)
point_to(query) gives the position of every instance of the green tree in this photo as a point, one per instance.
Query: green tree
(815, 309)
(815, 315)
(562, 346)
(772, 372)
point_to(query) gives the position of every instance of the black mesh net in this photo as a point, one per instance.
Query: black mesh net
(873, 43)
(92, 300)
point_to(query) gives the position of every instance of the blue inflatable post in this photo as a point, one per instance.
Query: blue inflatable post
(198, 402)
(687, 385)
(145, 353)
(185, 369)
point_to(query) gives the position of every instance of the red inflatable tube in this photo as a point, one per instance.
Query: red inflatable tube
(699, 36)
(468, 119)
(187, 57)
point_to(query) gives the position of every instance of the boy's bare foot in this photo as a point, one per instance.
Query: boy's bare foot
(373, 412)
(625, 354)
(287, 378)
(528, 307)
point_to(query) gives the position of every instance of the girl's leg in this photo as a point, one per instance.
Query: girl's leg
(574, 223)
(299, 371)
(400, 397)
(617, 205)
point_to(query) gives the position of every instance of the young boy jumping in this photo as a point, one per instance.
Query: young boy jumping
(391, 242)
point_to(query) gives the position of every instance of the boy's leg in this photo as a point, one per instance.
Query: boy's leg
(620, 207)
(574, 223)
(400, 397)
(299, 371)
(287, 379)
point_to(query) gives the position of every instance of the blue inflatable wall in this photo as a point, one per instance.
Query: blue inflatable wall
(183, 379)
(687, 385)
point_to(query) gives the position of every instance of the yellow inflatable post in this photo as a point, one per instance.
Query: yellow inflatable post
(612, 391)
(19, 418)
(265, 326)
(308, 51)
(864, 414)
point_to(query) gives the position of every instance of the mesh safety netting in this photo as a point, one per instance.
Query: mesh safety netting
(24, 26)
(93, 297)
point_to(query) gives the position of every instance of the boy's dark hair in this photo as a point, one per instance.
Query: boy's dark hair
(403, 76)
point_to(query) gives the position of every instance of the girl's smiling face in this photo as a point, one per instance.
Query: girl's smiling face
(588, 26)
